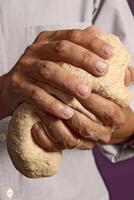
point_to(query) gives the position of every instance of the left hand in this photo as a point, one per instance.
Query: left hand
(55, 134)
(80, 126)
(60, 134)
(127, 130)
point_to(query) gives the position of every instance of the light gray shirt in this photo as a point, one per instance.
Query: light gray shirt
(20, 22)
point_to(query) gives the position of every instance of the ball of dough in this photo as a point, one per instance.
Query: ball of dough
(27, 156)
(31, 159)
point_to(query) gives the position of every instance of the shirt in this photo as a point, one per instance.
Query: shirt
(20, 22)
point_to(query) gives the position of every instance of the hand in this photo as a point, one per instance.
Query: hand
(54, 134)
(121, 119)
(57, 135)
(81, 48)
(110, 113)
(127, 130)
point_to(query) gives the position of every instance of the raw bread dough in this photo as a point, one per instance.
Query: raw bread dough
(32, 160)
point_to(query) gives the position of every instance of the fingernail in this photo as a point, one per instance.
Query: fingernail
(36, 126)
(108, 50)
(101, 66)
(83, 90)
(66, 112)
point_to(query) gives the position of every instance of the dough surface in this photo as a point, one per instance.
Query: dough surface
(32, 160)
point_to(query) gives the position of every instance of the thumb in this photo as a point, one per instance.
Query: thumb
(129, 76)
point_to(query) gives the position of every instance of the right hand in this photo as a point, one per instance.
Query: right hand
(38, 63)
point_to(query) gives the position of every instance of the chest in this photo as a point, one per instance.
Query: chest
(44, 12)
(22, 20)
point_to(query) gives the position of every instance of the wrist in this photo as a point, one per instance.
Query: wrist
(3, 111)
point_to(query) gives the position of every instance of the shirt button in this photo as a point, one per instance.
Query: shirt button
(3, 137)
(10, 193)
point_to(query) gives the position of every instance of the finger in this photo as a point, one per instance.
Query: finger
(87, 39)
(89, 129)
(129, 76)
(71, 53)
(92, 42)
(33, 94)
(92, 29)
(105, 109)
(52, 73)
(62, 34)
(42, 138)
(62, 134)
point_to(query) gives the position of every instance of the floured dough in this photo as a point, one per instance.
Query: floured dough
(32, 160)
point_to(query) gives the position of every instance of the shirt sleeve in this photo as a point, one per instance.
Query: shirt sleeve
(116, 17)
(117, 153)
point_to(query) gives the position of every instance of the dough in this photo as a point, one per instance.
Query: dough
(32, 160)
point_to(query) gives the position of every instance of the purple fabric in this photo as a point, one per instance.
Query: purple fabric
(119, 177)
(131, 4)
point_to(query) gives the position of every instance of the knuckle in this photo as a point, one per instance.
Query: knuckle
(61, 47)
(46, 69)
(85, 59)
(52, 35)
(68, 82)
(30, 49)
(37, 129)
(113, 112)
(23, 62)
(53, 106)
(17, 83)
(110, 113)
(46, 36)
(41, 35)
(36, 95)
(94, 41)
(14, 82)
(74, 35)
(115, 115)
(92, 29)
